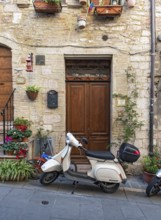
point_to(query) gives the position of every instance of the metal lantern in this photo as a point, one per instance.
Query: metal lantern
(29, 63)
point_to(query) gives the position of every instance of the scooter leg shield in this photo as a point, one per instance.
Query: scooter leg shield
(51, 165)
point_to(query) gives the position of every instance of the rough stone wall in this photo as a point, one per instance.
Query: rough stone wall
(57, 36)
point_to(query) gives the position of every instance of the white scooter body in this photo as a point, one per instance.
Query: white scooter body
(102, 170)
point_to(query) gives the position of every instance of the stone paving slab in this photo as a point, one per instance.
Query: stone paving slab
(31, 200)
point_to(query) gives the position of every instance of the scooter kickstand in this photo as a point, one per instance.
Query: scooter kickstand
(75, 183)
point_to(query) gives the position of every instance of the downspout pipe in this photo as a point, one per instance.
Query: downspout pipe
(153, 37)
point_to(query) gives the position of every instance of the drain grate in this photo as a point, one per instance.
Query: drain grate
(45, 202)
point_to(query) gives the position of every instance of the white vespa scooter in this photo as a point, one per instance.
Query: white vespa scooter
(106, 170)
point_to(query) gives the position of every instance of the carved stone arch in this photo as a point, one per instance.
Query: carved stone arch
(9, 42)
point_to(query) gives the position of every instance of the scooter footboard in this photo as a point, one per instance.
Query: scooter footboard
(51, 165)
(109, 173)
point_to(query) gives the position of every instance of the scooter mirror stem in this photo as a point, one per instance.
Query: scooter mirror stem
(83, 148)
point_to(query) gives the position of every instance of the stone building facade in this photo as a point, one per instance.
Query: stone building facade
(126, 40)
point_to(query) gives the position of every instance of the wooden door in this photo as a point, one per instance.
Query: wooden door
(5, 75)
(88, 108)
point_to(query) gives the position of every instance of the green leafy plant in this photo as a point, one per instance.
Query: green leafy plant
(15, 134)
(151, 164)
(11, 146)
(22, 121)
(53, 1)
(18, 149)
(27, 133)
(15, 170)
(128, 117)
(42, 133)
(33, 88)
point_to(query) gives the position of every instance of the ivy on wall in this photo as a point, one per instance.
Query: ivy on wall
(128, 118)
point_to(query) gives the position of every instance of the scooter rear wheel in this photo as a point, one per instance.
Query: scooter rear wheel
(153, 187)
(109, 187)
(47, 178)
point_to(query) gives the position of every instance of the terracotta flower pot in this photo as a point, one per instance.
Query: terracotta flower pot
(147, 177)
(32, 95)
(43, 7)
(9, 152)
(25, 139)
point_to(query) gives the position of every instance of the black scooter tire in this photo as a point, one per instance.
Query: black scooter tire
(153, 187)
(48, 178)
(109, 187)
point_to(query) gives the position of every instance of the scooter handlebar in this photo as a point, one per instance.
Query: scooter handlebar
(70, 139)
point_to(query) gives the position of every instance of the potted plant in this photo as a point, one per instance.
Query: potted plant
(22, 150)
(15, 134)
(26, 134)
(21, 123)
(32, 92)
(10, 148)
(15, 148)
(47, 6)
(109, 9)
(151, 164)
(15, 170)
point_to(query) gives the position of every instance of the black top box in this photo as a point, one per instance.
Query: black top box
(129, 153)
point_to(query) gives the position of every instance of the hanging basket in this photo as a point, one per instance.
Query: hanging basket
(32, 95)
(43, 7)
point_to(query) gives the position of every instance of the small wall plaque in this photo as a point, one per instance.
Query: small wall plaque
(40, 59)
(20, 80)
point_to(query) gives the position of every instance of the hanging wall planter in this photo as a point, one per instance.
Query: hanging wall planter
(32, 92)
(32, 95)
(83, 2)
(47, 6)
(131, 3)
(23, 3)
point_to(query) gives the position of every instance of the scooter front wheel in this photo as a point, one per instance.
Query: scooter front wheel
(47, 178)
(109, 187)
(153, 187)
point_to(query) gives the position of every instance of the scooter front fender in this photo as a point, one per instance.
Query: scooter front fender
(51, 165)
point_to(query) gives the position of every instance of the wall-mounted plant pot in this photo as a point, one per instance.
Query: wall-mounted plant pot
(83, 2)
(32, 95)
(81, 21)
(23, 3)
(108, 10)
(131, 3)
(43, 7)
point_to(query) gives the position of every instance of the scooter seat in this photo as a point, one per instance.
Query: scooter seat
(106, 155)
